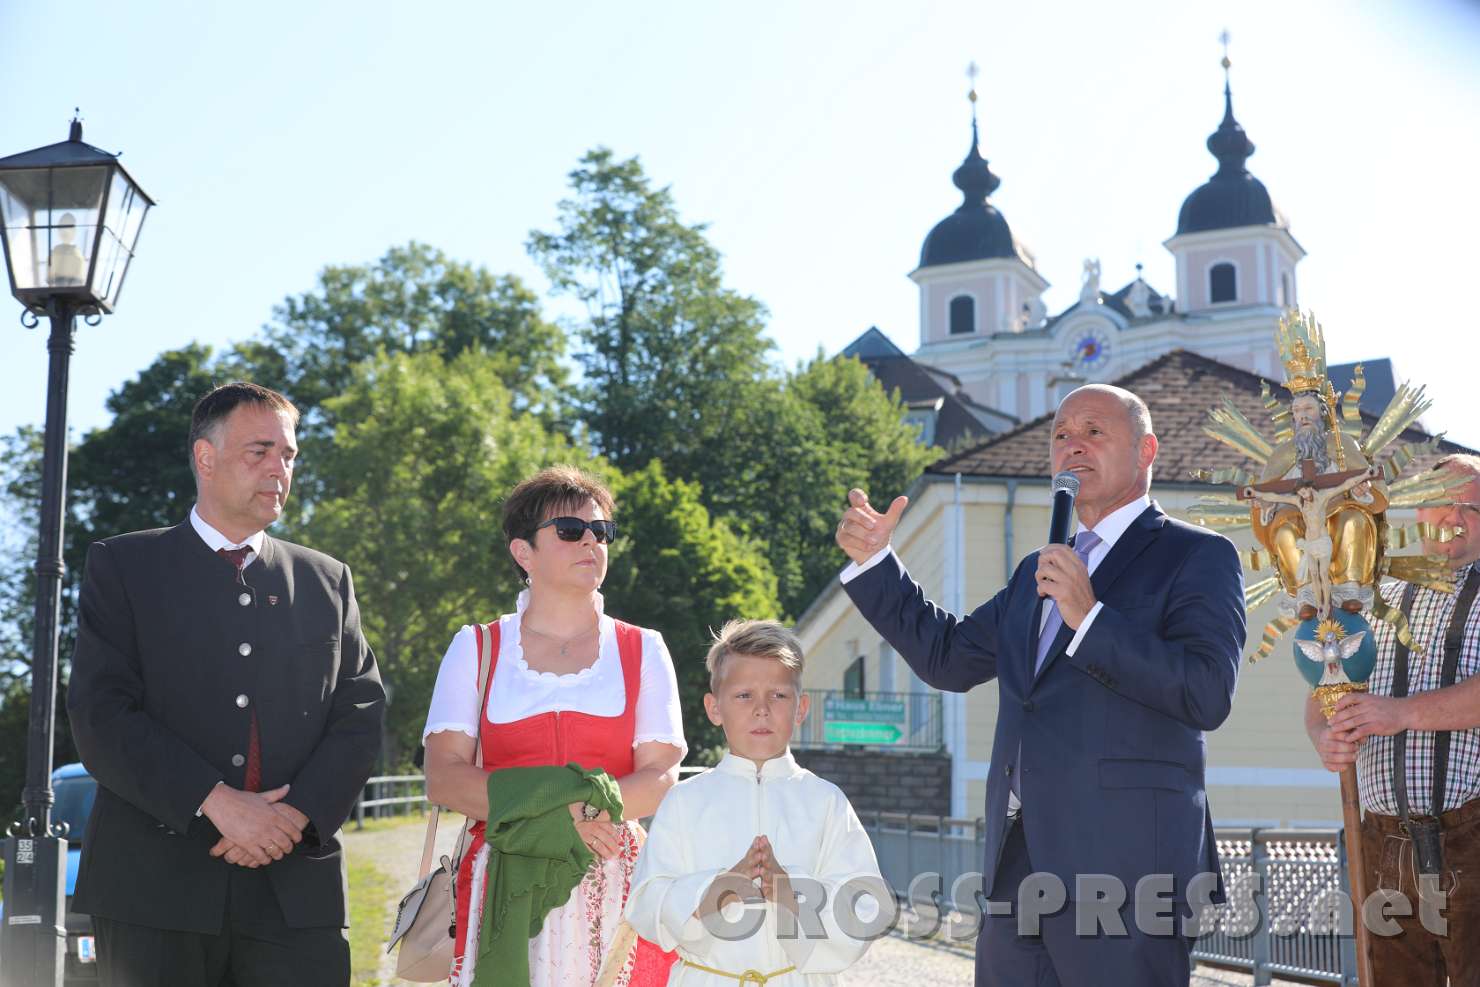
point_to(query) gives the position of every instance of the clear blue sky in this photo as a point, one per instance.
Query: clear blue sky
(816, 138)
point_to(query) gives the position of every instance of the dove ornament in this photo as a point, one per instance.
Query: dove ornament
(1335, 655)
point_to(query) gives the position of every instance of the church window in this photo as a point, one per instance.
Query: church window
(1222, 283)
(1287, 297)
(963, 315)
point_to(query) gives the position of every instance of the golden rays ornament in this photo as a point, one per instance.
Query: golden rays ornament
(1316, 493)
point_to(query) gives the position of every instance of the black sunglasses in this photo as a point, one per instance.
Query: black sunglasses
(574, 529)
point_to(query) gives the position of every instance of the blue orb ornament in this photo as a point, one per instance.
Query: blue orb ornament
(1335, 650)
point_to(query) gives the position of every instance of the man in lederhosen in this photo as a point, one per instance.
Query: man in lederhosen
(1415, 738)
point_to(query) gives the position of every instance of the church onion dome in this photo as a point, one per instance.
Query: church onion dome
(975, 231)
(1232, 197)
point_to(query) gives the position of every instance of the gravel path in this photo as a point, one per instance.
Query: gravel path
(395, 851)
(894, 961)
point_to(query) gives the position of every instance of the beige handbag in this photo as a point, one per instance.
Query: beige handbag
(426, 926)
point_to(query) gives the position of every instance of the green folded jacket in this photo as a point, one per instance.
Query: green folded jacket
(535, 859)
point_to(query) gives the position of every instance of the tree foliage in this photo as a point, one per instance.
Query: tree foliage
(424, 449)
(414, 299)
(20, 499)
(663, 339)
(680, 570)
(676, 370)
(134, 473)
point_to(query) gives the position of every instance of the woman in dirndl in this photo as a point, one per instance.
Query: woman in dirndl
(569, 684)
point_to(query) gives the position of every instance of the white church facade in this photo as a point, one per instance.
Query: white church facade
(982, 316)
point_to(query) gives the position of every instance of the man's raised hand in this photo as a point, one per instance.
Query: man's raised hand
(863, 532)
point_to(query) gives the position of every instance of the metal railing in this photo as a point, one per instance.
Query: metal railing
(399, 795)
(391, 795)
(914, 716)
(1287, 891)
(1288, 899)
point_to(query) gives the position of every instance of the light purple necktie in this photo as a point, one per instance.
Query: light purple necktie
(1084, 543)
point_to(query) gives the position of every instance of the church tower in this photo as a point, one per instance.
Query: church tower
(974, 278)
(1233, 248)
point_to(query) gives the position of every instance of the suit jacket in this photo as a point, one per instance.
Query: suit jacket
(1111, 737)
(173, 656)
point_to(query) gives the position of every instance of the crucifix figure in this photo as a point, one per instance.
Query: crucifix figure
(1319, 457)
(1312, 496)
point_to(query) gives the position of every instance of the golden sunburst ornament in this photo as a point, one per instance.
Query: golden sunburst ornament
(1317, 460)
(1329, 630)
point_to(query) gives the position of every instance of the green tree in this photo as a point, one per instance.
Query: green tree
(676, 370)
(20, 499)
(412, 300)
(663, 338)
(680, 570)
(792, 448)
(875, 447)
(134, 473)
(423, 451)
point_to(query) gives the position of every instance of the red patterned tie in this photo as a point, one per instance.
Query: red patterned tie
(253, 780)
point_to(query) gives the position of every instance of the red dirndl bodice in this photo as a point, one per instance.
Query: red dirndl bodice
(558, 738)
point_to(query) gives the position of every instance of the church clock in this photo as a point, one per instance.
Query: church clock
(1091, 350)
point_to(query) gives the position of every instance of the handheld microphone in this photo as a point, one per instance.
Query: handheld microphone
(1065, 489)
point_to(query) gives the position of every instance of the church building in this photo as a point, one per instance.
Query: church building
(991, 366)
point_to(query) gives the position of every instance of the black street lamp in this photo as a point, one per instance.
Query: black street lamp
(69, 218)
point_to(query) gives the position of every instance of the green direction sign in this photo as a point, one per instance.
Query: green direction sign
(860, 733)
(862, 721)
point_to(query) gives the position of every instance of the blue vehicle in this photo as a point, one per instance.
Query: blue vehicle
(75, 791)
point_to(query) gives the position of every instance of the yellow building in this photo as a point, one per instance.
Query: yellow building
(974, 516)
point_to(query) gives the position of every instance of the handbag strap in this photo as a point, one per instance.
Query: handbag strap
(430, 846)
(485, 680)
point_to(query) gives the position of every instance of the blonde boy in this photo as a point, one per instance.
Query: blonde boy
(757, 870)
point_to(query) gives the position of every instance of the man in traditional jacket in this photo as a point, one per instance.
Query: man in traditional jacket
(225, 699)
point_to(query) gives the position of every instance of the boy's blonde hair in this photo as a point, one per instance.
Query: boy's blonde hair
(754, 639)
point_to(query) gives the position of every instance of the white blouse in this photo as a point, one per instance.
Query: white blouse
(519, 691)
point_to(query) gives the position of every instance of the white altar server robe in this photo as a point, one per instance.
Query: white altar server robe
(702, 829)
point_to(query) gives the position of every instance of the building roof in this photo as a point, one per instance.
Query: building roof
(1232, 197)
(1158, 306)
(1381, 378)
(975, 231)
(1179, 388)
(958, 419)
(871, 344)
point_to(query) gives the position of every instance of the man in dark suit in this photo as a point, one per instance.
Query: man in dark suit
(1112, 657)
(225, 699)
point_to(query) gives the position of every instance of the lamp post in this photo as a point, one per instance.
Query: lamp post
(69, 218)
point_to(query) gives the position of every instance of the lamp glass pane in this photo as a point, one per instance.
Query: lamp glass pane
(126, 208)
(20, 193)
(51, 223)
(73, 223)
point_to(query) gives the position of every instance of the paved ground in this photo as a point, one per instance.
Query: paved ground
(893, 961)
(899, 962)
